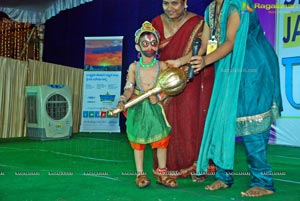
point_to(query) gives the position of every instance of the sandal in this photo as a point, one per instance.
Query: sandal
(188, 171)
(200, 178)
(172, 174)
(192, 171)
(142, 181)
(167, 181)
(164, 179)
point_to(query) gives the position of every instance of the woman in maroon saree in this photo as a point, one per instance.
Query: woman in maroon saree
(186, 112)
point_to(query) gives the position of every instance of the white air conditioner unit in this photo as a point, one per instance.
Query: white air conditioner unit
(49, 112)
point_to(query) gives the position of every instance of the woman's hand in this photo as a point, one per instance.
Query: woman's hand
(174, 63)
(198, 63)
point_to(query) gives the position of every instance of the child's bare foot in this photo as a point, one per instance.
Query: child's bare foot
(216, 186)
(256, 192)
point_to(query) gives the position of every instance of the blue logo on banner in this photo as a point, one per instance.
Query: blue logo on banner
(85, 114)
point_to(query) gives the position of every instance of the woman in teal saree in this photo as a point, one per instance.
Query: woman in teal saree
(246, 97)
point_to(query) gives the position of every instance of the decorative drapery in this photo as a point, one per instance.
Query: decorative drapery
(16, 74)
(13, 76)
(37, 12)
(19, 40)
(22, 34)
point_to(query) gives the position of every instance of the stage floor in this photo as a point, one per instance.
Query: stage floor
(96, 167)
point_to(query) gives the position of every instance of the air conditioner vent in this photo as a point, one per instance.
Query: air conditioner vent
(57, 107)
(31, 106)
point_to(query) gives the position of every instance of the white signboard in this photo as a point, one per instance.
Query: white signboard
(101, 84)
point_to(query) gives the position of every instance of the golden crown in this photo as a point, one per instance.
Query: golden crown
(146, 27)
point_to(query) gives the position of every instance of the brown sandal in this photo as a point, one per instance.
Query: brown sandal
(192, 171)
(164, 179)
(200, 178)
(188, 171)
(167, 181)
(142, 181)
(173, 175)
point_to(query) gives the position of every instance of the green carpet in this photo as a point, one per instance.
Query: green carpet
(96, 167)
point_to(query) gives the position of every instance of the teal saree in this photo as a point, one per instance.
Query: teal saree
(242, 102)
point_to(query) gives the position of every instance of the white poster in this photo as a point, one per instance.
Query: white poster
(101, 84)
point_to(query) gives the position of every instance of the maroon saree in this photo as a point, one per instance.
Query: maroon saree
(186, 112)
